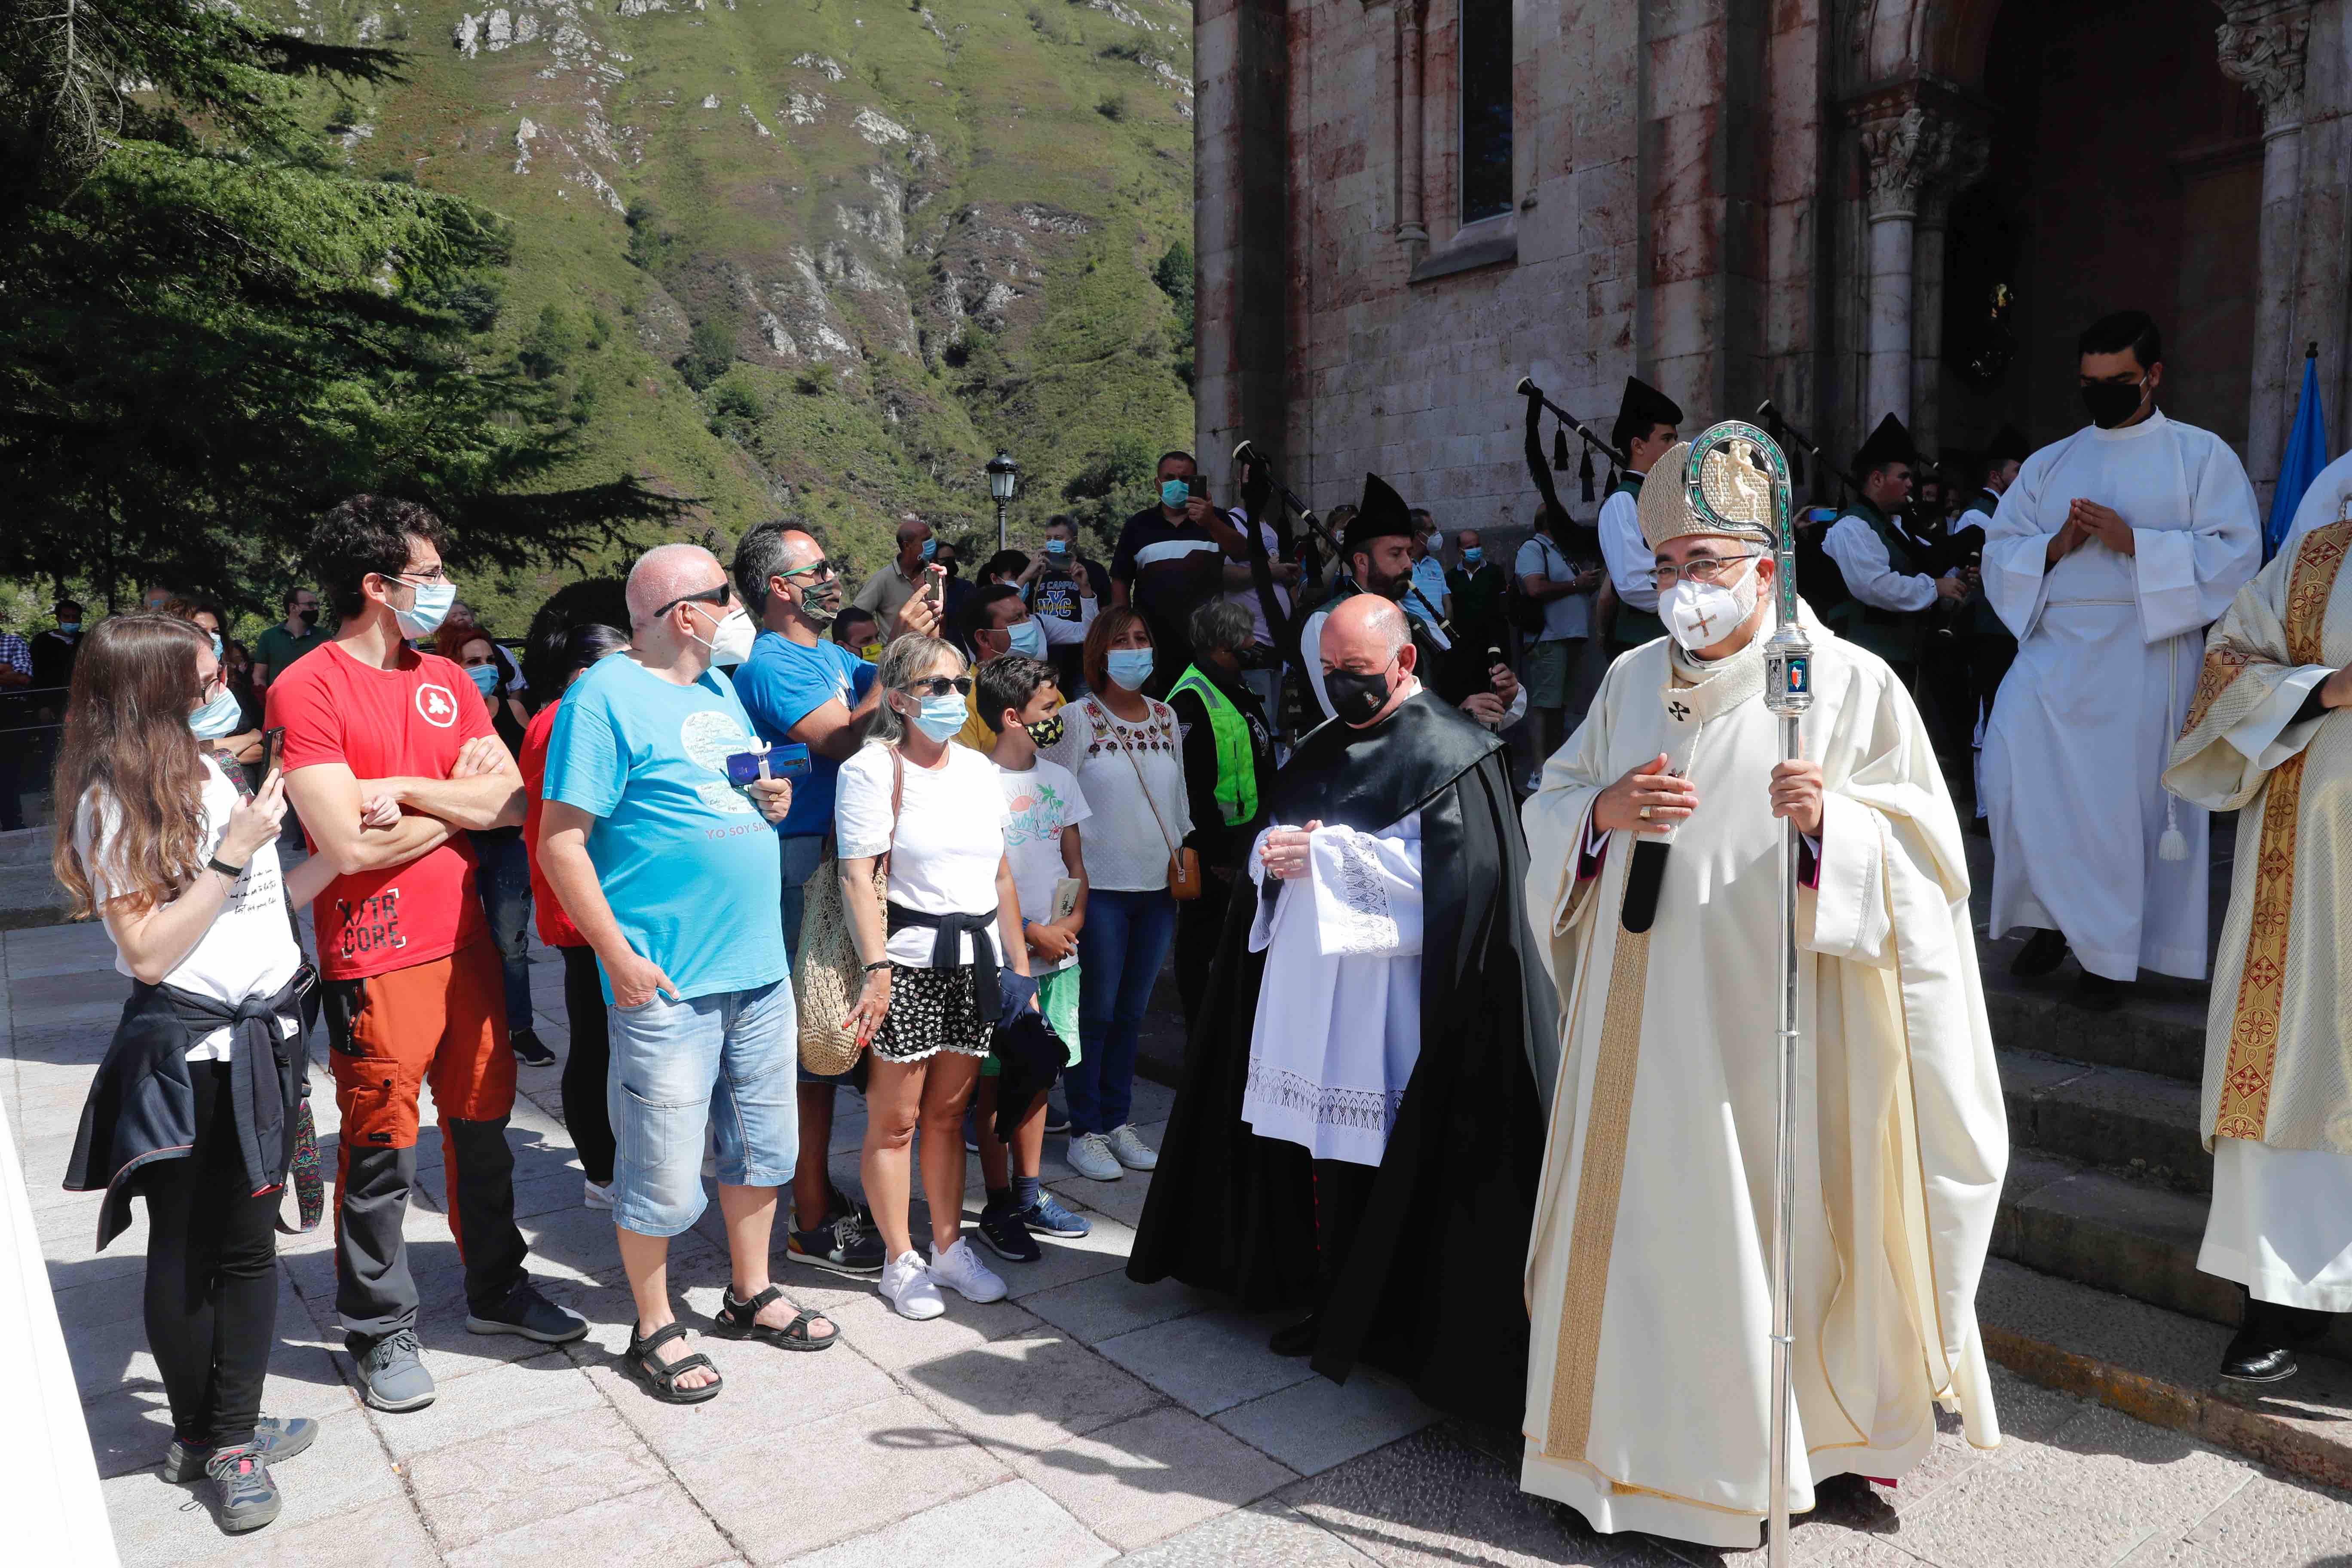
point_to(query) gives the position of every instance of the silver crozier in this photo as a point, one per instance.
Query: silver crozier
(1750, 476)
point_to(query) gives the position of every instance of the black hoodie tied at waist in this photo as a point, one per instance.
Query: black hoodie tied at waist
(947, 950)
(142, 1104)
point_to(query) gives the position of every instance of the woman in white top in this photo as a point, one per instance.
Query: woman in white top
(194, 1106)
(943, 963)
(1128, 758)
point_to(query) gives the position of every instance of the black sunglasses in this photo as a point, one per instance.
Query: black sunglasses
(938, 686)
(813, 569)
(721, 596)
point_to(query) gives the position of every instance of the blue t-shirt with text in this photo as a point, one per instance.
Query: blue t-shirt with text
(782, 683)
(692, 874)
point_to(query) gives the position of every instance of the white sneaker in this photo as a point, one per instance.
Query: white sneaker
(906, 1284)
(595, 1194)
(1127, 1147)
(1090, 1155)
(960, 1271)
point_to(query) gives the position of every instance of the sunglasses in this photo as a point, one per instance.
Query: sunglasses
(938, 686)
(720, 596)
(813, 569)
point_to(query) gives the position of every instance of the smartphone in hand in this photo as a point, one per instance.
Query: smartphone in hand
(273, 744)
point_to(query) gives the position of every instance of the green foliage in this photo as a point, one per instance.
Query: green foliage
(709, 355)
(1112, 486)
(1174, 276)
(1112, 105)
(651, 246)
(210, 332)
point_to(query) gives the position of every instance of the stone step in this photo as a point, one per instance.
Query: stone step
(2159, 1366)
(2139, 1122)
(2120, 1233)
(2159, 1030)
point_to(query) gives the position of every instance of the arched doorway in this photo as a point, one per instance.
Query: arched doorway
(2125, 170)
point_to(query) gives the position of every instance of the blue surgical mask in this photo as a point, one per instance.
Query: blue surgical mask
(484, 677)
(1128, 666)
(1472, 556)
(931, 548)
(217, 643)
(1028, 637)
(217, 719)
(941, 717)
(69, 627)
(431, 607)
(1058, 549)
(1175, 493)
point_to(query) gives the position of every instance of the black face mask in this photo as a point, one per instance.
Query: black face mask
(2110, 403)
(308, 617)
(1356, 698)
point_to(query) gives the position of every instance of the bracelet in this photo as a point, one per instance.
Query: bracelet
(231, 872)
(880, 964)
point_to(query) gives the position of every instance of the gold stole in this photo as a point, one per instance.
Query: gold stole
(2246, 1078)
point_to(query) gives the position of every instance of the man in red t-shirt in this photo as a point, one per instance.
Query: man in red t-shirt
(388, 769)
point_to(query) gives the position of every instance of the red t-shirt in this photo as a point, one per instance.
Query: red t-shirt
(555, 927)
(385, 723)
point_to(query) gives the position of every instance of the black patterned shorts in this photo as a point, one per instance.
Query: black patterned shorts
(931, 1010)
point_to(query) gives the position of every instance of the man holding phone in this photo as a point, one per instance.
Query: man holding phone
(646, 839)
(1171, 559)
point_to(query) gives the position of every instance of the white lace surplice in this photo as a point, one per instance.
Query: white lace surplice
(1338, 1014)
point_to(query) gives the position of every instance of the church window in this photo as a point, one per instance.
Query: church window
(1485, 88)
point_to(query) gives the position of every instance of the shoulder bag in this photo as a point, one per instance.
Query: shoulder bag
(827, 973)
(1183, 862)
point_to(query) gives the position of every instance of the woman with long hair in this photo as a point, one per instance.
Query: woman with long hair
(943, 963)
(570, 652)
(156, 838)
(1129, 757)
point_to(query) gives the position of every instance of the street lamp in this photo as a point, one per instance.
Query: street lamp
(1003, 472)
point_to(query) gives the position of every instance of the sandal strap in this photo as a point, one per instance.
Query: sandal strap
(747, 1311)
(670, 1371)
(803, 1328)
(673, 1330)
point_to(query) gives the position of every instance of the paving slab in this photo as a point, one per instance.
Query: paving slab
(1092, 1311)
(1208, 1362)
(2268, 1522)
(658, 1524)
(345, 1470)
(1139, 1480)
(1013, 1525)
(1030, 1390)
(528, 1471)
(1316, 1424)
(1263, 1535)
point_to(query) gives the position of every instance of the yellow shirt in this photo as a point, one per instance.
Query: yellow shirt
(975, 732)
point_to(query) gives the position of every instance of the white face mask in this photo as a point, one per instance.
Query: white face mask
(1701, 615)
(730, 644)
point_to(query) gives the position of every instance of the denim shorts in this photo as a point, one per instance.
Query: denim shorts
(725, 1061)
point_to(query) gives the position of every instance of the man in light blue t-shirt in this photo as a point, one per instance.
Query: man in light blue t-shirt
(799, 685)
(666, 866)
(1427, 601)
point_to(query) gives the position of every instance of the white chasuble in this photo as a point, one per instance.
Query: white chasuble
(2107, 651)
(1648, 1286)
(2277, 1107)
(1338, 1027)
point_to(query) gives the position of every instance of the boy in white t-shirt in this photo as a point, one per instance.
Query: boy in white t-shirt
(1019, 698)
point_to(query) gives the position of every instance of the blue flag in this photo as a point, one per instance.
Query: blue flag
(2306, 454)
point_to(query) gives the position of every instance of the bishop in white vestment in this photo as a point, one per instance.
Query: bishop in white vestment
(1649, 1380)
(2109, 606)
(2268, 737)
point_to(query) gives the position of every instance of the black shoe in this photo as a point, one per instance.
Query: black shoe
(2250, 1359)
(1002, 1233)
(2040, 956)
(1296, 1339)
(843, 1245)
(530, 1049)
(527, 1312)
(2098, 994)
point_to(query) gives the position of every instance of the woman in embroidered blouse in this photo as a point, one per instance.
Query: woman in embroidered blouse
(1128, 758)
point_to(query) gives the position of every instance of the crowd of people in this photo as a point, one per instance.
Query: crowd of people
(935, 841)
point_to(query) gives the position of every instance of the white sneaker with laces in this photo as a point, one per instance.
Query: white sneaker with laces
(960, 1271)
(1090, 1155)
(1127, 1147)
(595, 1194)
(906, 1284)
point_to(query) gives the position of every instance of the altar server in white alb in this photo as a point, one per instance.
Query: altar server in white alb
(2108, 558)
(1649, 1386)
(2269, 737)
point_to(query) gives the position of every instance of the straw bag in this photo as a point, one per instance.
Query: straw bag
(827, 973)
(1183, 862)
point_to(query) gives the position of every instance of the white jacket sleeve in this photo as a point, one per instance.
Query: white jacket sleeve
(1870, 576)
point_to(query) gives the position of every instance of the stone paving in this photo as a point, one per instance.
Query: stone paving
(1085, 1420)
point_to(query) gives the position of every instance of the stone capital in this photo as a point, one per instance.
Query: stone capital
(1919, 143)
(2262, 48)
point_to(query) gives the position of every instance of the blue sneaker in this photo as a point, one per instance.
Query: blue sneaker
(1046, 1218)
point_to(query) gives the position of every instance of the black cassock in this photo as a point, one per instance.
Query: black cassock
(1429, 1286)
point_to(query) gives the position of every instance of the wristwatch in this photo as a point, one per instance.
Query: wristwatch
(880, 964)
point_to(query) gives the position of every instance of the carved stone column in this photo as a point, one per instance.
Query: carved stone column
(1963, 157)
(1897, 150)
(2262, 46)
(1413, 231)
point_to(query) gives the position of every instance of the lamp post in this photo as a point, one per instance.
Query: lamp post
(1003, 472)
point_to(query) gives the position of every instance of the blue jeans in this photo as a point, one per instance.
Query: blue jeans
(724, 1061)
(504, 878)
(1119, 954)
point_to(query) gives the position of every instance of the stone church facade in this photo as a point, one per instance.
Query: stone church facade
(1850, 206)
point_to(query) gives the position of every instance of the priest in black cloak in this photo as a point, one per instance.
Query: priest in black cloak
(1360, 1123)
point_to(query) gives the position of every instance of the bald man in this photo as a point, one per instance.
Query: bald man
(658, 842)
(1332, 1166)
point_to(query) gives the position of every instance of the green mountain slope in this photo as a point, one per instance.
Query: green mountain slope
(907, 233)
